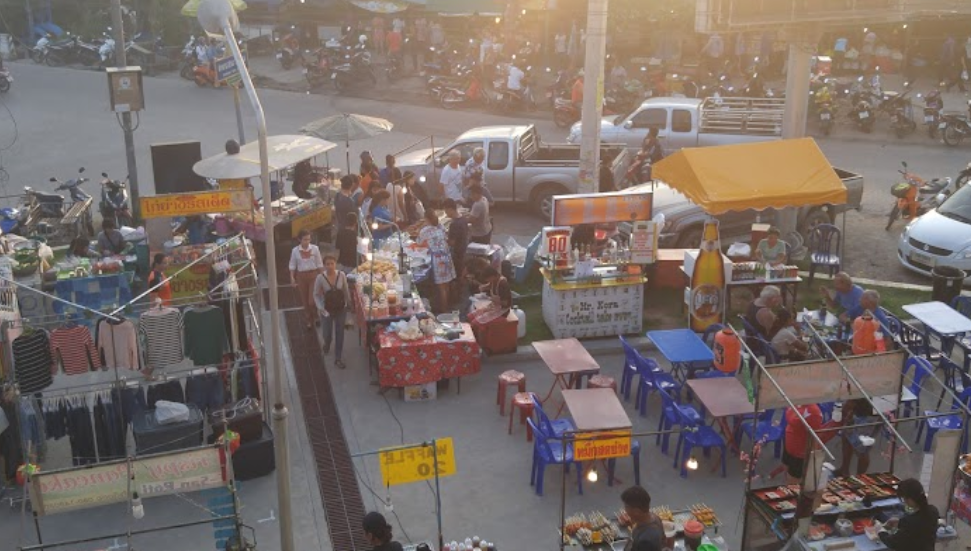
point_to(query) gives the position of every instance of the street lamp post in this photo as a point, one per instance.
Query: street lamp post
(219, 17)
(126, 125)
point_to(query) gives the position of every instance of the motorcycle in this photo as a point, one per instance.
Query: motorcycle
(204, 75)
(316, 68)
(560, 87)
(114, 201)
(88, 54)
(38, 54)
(927, 195)
(955, 128)
(437, 84)
(900, 109)
(862, 115)
(355, 70)
(454, 96)
(755, 88)
(189, 59)
(825, 113)
(933, 105)
(289, 51)
(45, 214)
(5, 81)
(509, 100)
(106, 52)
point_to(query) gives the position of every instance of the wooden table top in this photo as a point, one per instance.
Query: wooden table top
(594, 409)
(566, 356)
(722, 396)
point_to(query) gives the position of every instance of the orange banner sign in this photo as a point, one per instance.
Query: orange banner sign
(188, 204)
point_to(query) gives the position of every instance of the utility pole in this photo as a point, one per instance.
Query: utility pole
(593, 90)
(219, 17)
(796, 110)
(118, 23)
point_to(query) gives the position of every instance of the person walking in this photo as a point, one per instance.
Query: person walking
(450, 180)
(474, 172)
(305, 264)
(331, 296)
(433, 237)
(951, 71)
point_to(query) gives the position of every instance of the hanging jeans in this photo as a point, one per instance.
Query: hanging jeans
(132, 402)
(82, 436)
(206, 391)
(108, 428)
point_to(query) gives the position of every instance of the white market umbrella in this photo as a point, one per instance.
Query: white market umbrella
(347, 127)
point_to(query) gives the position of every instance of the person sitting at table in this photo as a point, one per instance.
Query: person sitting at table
(844, 296)
(771, 250)
(787, 338)
(769, 299)
(110, 241)
(497, 289)
(81, 248)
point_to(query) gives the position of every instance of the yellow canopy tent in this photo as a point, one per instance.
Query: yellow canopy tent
(192, 7)
(759, 176)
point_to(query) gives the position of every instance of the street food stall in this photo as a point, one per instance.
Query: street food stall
(593, 285)
(291, 213)
(730, 179)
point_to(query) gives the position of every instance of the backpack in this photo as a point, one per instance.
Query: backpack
(334, 300)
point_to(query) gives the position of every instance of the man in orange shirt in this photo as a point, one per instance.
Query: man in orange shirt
(394, 43)
(576, 93)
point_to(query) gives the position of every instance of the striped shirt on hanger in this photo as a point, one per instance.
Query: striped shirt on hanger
(32, 361)
(162, 330)
(74, 349)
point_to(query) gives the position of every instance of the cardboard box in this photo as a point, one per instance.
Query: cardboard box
(421, 393)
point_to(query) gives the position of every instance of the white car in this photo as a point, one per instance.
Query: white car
(942, 237)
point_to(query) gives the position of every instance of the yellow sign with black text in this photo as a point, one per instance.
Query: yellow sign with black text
(188, 204)
(417, 463)
(311, 221)
(601, 445)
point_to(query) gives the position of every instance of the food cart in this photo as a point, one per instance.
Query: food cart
(725, 180)
(291, 214)
(599, 290)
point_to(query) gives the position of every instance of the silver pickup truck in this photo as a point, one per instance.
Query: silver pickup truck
(688, 122)
(519, 167)
(683, 219)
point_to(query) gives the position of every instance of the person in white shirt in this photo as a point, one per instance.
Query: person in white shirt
(515, 80)
(451, 178)
(305, 264)
(786, 341)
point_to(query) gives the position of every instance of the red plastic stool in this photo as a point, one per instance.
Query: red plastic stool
(511, 377)
(523, 401)
(602, 381)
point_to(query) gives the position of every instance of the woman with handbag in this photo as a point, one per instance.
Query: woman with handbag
(332, 297)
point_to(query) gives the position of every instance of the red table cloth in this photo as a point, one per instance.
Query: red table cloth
(426, 360)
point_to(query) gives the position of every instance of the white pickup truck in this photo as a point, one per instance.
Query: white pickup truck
(690, 122)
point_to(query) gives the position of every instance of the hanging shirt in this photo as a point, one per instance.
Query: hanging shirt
(162, 331)
(205, 335)
(32, 361)
(74, 349)
(117, 344)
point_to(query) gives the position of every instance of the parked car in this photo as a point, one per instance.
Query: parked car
(691, 122)
(942, 237)
(683, 219)
(519, 167)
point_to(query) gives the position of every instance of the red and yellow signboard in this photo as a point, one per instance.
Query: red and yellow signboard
(188, 204)
(602, 445)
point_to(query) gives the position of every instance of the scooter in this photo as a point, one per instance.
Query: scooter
(933, 105)
(5, 81)
(356, 70)
(927, 195)
(473, 92)
(289, 51)
(900, 109)
(45, 213)
(38, 54)
(106, 51)
(114, 201)
(316, 68)
(204, 74)
(862, 115)
(189, 59)
(824, 112)
(955, 128)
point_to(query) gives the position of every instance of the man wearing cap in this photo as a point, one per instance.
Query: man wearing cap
(771, 250)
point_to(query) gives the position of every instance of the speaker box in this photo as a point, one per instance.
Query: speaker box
(172, 167)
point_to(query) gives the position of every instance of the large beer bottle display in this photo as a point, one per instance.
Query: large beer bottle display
(708, 281)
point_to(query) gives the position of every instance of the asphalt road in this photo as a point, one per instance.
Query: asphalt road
(63, 122)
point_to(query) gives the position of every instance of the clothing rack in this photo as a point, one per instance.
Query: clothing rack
(110, 316)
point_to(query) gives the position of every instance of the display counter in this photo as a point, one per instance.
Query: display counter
(596, 532)
(291, 216)
(607, 303)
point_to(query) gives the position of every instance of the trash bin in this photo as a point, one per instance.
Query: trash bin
(947, 283)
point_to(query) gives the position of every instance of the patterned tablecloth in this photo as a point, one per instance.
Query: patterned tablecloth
(426, 360)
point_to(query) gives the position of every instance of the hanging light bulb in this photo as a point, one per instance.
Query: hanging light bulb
(137, 509)
(388, 506)
(498, 20)
(374, 225)
(592, 475)
(692, 464)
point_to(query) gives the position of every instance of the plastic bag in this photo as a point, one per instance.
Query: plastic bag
(167, 413)
(515, 253)
(739, 249)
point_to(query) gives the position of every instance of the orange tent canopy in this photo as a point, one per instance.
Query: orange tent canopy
(759, 176)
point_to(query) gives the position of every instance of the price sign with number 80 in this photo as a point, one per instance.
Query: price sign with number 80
(556, 241)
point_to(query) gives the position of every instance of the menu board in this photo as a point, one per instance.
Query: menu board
(643, 242)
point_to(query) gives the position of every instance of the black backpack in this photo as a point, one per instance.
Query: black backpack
(334, 300)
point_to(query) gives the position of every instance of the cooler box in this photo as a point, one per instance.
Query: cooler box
(255, 458)
(500, 336)
(151, 437)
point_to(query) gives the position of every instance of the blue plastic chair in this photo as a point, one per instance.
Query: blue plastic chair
(553, 428)
(635, 453)
(824, 250)
(520, 273)
(546, 454)
(922, 368)
(709, 335)
(947, 422)
(769, 353)
(765, 430)
(630, 368)
(962, 304)
(652, 378)
(917, 342)
(695, 434)
(827, 410)
(670, 418)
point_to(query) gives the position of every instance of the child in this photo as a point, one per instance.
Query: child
(347, 243)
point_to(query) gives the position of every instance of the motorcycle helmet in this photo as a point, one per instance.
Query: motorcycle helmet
(362, 39)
